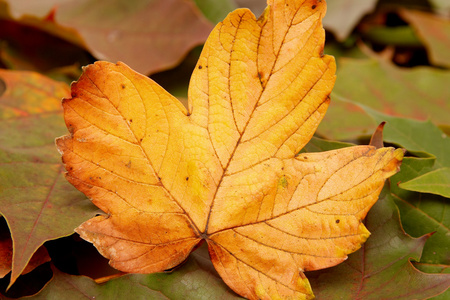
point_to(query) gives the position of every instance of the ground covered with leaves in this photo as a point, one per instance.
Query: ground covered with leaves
(393, 60)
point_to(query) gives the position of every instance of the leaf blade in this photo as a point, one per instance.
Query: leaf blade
(33, 188)
(435, 182)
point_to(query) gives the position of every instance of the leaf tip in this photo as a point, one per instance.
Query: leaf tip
(377, 137)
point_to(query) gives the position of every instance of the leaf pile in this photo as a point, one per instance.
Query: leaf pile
(238, 167)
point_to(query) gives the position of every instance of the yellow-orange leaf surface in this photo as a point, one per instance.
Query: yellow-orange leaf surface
(225, 170)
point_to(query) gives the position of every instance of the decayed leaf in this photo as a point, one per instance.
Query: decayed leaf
(225, 170)
(149, 35)
(34, 196)
(382, 269)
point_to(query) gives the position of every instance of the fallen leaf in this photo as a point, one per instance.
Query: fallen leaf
(34, 196)
(434, 31)
(25, 47)
(414, 135)
(435, 182)
(6, 251)
(382, 268)
(318, 144)
(39, 17)
(420, 93)
(149, 35)
(226, 169)
(422, 213)
(194, 280)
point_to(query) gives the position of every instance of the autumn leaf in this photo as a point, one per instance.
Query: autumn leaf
(34, 196)
(226, 169)
(6, 253)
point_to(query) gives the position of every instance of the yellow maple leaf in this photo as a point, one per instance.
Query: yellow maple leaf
(226, 169)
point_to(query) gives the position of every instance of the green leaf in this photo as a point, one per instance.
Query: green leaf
(428, 268)
(388, 244)
(415, 136)
(423, 213)
(319, 145)
(381, 269)
(420, 93)
(196, 279)
(35, 198)
(435, 182)
(412, 167)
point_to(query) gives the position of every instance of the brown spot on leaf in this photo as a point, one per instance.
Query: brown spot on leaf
(260, 76)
